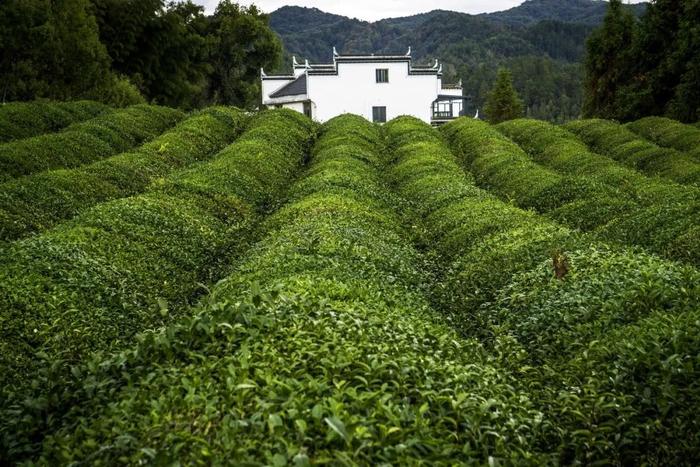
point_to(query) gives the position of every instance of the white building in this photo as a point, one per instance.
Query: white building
(377, 87)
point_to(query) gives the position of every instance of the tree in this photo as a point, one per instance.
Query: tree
(503, 102)
(671, 39)
(242, 43)
(50, 48)
(685, 105)
(161, 48)
(608, 62)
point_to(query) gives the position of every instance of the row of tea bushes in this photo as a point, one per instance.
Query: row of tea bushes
(616, 141)
(560, 150)
(669, 133)
(86, 142)
(36, 202)
(320, 349)
(658, 216)
(133, 264)
(20, 120)
(542, 295)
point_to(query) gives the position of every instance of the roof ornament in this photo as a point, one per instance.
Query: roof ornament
(262, 73)
(408, 54)
(460, 82)
(294, 61)
(440, 69)
(306, 63)
(335, 52)
(437, 62)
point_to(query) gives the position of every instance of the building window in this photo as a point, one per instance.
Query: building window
(379, 114)
(307, 109)
(382, 75)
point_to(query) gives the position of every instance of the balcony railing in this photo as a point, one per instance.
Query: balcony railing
(442, 114)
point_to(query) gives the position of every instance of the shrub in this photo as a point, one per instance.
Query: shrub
(120, 92)
(85, 142)
(20, 120)
(669, 133)
(593, 193)
(616, 141)
(317, 349)
(603, 338)
(39, 201)
(146, 255)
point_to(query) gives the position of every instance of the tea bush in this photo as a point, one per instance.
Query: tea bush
(542, 295)
(132, 264)
(616, 141)
(616, 203)
(20, 120)
(86, 142)
(39, 201)
(319, 348)
(669, 133)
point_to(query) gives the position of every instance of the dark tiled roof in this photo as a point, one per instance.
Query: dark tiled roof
(296, 87)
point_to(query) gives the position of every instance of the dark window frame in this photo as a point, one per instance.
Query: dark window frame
(379, 114)
(381, 75)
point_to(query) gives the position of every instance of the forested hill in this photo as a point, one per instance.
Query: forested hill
(589, 12)
(541, 41)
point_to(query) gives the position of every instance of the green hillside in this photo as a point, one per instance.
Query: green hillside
(227, 287)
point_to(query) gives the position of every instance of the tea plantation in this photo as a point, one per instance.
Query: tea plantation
(222, 287)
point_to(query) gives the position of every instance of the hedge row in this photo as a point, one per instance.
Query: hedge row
(616, 141)
(132, 264)
(617, 203)
(86, 142)
(612, 333)
(36, 202)
(20, 120)
(320, 348)
(669, 133)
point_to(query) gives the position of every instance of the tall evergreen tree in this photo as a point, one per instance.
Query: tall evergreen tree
(503, 102)
(608, 62)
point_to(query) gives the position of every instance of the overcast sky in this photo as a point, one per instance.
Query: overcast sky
(372, 10)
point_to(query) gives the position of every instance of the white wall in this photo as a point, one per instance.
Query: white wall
(355, 90)
(298, 106)
(271, 85)
(451, 92)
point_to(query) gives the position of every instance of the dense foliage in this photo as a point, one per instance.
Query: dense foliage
(378, 308)
(133, 264)
(646, 67)
(306, 353)
(39, 201)
(625, 146)
(596, 334)
(26, 119)
(117, 51)
(51, 48)
(578, 188)
(669, 133)
(85, 142)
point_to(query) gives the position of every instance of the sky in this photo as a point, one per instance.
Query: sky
(373, 10)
